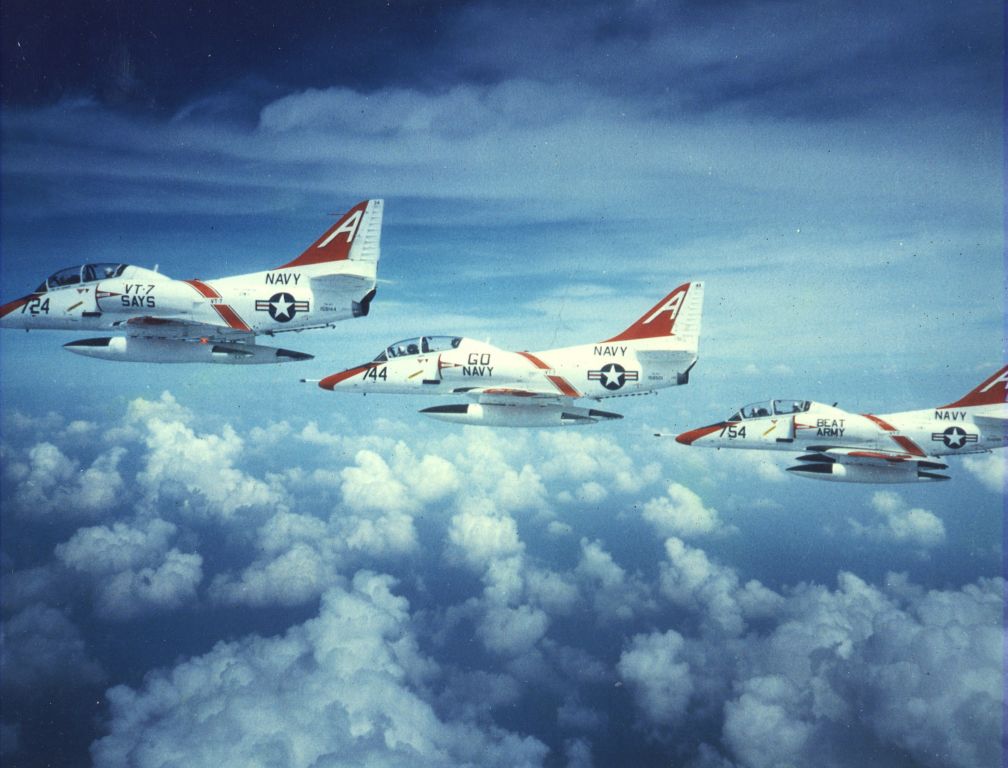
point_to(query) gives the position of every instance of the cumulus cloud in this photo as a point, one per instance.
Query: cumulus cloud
(481, 537)
(41, 648)
(614, 594)
(512, 631)
(292, 577)
(990, 469)
(847, 666)
(203, 465)
(50, 484)
(901, 524)
(654, 667)
(691, 580)
(600, 465)
(718, 651)
(131, 569)
(336, 688)
(681, 512)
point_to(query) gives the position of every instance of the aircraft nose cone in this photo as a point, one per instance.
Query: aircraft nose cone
(330, 382)
(691, 436)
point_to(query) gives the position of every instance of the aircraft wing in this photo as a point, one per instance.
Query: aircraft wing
(179, 340)
(516, 407)
(513, 396)
(861, 465)
(862, 455)
(181, 329)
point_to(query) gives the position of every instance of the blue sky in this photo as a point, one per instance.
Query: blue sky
(224, 566)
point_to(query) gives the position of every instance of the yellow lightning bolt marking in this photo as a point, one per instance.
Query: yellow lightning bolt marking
(72, 308)
(414, 375)
(772, 428)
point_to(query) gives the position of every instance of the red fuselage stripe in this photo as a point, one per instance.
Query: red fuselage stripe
(903, 442)
(881, 422)
(557, 381)
(908, 445)
(230, 317)
(227, 314)
(205, 290)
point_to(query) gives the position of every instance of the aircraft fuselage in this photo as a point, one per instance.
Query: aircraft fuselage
(594, 371)
(261, 302)
(927, 432)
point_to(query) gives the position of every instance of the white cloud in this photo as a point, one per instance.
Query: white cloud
(654, 667)
(690, 579)
(761, 727)
(599, 464)
(371, 484)
(990, 469)
(843, 667)
(293, 577)
(203, 465)
(51, 484)
(41, 647)
(681, 512)
(512, 631)
(163, 586)
(901, 524)
(102, 550)
(335, 688)
(480, 538)
(130, 568)
(613, 594)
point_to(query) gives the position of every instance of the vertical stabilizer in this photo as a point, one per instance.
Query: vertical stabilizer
(356, 236)
(672, 323)
(992, 391)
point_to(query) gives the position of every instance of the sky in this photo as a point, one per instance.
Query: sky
(214, 565)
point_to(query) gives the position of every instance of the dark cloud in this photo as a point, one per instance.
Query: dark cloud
(151, 56)
(788, 59)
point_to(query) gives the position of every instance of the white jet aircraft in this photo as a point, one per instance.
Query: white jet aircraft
(865, 448)
(538, 389)
(161, 320)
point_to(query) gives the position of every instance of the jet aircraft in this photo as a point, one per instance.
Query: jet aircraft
(161, 320)
(867, 448)
(538, 389)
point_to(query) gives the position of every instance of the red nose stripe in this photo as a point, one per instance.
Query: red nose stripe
(10, 306)
(331, 381)
(688, 438)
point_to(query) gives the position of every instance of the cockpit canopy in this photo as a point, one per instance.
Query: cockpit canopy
(771, 408)
(419, 346)
(84, 273)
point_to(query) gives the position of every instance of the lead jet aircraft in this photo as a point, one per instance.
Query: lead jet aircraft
(538, 389)
(161, 320)
(865, 448)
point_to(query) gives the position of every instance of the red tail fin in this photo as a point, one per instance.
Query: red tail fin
(660, 320)
(992, 392)
(335, 244)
